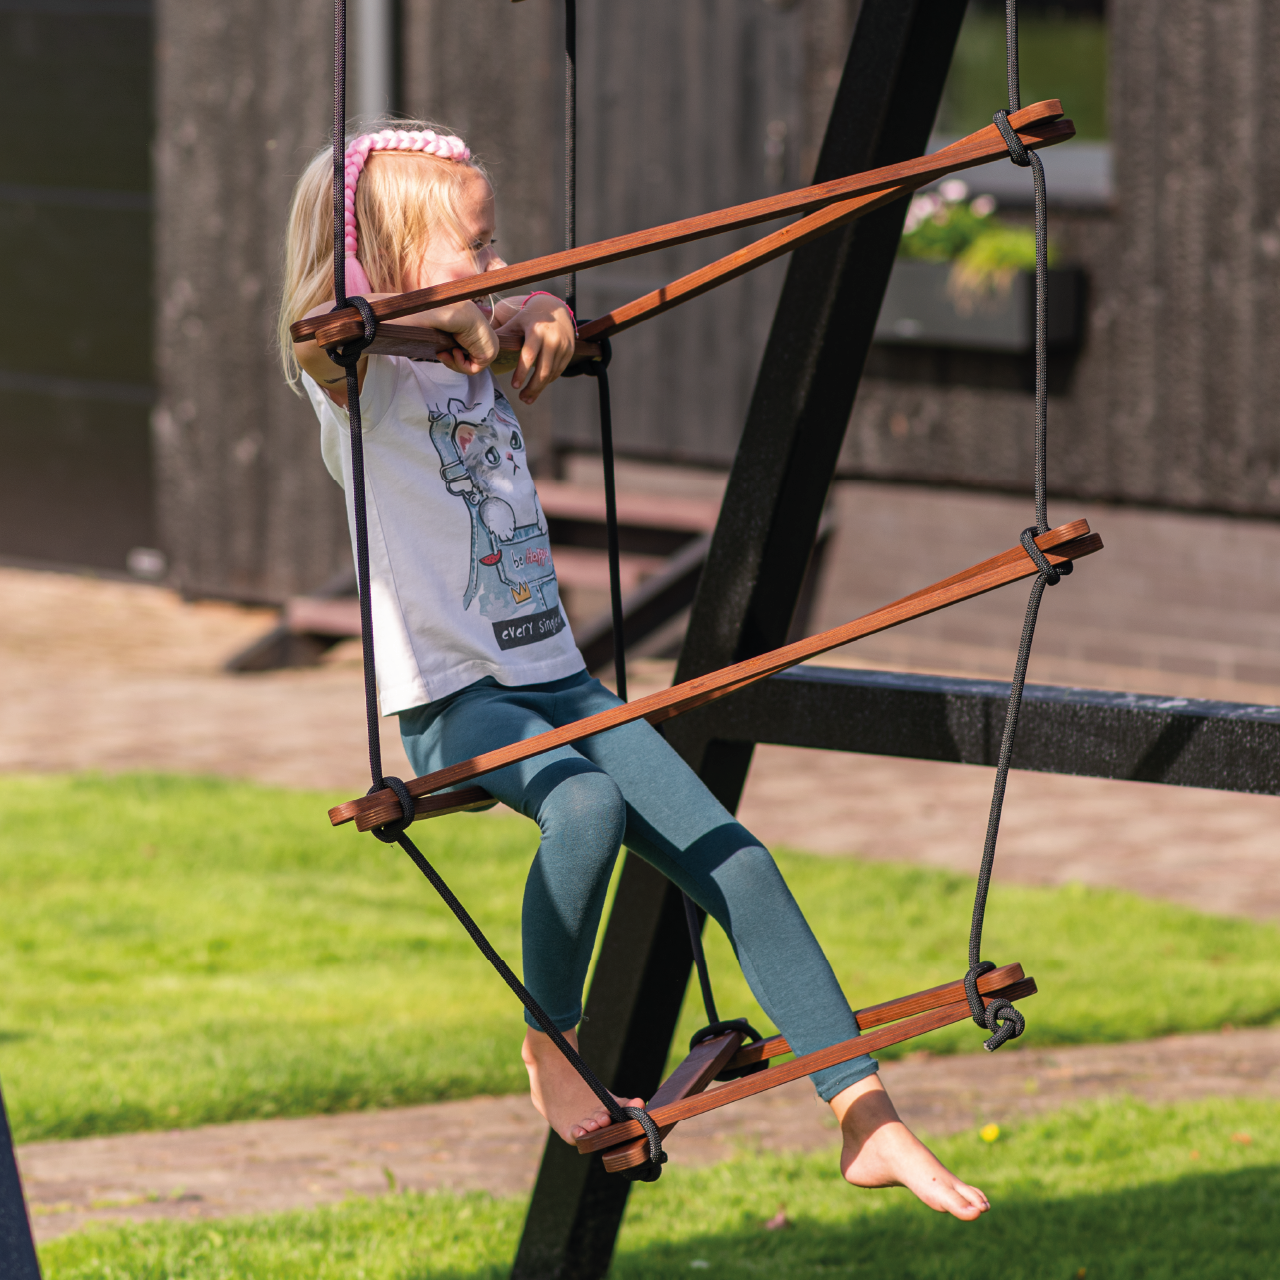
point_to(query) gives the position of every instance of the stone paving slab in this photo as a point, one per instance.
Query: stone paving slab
(494, 1144)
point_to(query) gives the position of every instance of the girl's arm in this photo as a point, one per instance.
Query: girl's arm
(548, 329)
(476, 349)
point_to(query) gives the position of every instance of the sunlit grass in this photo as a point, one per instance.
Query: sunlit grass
(179, 951)
(1112, 1190)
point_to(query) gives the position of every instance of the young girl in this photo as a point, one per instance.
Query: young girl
(473, 650)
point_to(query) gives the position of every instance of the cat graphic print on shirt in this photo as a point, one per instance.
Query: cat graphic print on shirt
(511, 576)
(461, 575)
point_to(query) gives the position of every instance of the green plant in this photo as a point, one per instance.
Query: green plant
(986, 253)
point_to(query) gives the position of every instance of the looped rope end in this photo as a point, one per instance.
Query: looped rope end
(390, 832)
(1052, 573)
(1005, 1023)
(651, 1170)
(591, 368)
(1018, 152)
(976, 1007)
(999, 1017)
(348, 355)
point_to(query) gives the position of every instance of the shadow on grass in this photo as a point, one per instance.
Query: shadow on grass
(1215, 1225)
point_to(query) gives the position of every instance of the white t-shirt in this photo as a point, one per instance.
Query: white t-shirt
(460, 562)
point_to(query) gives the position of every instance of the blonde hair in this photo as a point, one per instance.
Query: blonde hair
(405, 199)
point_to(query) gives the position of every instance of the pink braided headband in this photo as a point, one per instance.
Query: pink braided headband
(425, 140)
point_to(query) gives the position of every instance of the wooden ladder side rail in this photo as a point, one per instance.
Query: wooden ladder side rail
(878, 1015)
(766, 249)
(699, 1104)
(693, 1076)
(1037, 125)
(1067, 542)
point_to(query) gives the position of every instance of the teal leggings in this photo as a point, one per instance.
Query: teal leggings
(629, 787)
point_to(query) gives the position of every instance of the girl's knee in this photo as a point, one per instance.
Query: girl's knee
(581, 799)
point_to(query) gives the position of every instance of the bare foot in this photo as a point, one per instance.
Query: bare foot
(559, 1092)
(880, 1151)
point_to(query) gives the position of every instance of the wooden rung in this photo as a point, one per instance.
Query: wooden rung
(878, 1015)
(445, 802)
(1037, 125)
(705, 1061)
(686, 1108)
(1067, 542)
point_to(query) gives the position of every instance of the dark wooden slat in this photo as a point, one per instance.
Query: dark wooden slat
(1067, 542)
(747, 1087)
(451, 802)
(877, 1015)
(420, 342)
(1035, 125)
(693, 1075)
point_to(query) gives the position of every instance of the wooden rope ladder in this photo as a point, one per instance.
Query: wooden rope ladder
(825, 206)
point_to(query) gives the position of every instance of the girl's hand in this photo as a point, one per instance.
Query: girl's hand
(549, 334)
(476, 349)
(477, 343)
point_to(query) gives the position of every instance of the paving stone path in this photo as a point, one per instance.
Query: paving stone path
(494, 1144)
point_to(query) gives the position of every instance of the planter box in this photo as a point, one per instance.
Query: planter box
(921, 310)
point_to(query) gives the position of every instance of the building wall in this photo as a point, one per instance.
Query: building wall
(75, 333)
(244, 97)
(1173, 399)
(676, 100)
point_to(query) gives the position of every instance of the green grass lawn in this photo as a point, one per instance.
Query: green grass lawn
(180, 951)
(1114, 1190)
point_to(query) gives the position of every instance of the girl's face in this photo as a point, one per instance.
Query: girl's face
(445, 259)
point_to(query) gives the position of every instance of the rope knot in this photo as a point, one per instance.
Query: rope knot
(391, 831)
(1052, 573)
(1018, 152)
(999, 1017)
(651, 1170)
(348, 355)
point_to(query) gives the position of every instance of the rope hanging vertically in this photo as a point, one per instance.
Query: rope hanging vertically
(571, 146)
(1000, 1017)
(348, 358)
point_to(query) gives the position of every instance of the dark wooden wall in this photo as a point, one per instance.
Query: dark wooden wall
(75, 219)
(1170, 401)
(244, 93)
(684, 106)
(1174, 398)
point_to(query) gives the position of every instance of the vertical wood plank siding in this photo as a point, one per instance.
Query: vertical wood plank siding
(1175, 397)
(244, 98)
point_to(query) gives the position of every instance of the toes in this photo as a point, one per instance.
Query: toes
(969, 1204)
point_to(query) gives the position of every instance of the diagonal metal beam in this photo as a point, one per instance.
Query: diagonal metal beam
(884, 109)
(17, 1251)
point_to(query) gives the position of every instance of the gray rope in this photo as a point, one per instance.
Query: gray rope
(1000, 1018)
(571, 146)
(657, 1157)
